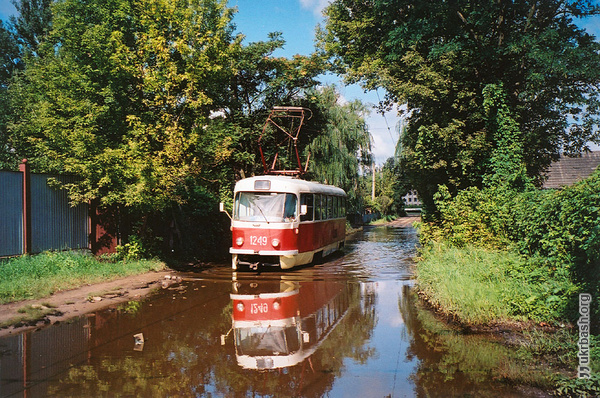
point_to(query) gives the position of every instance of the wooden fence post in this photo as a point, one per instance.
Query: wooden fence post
(24, 168)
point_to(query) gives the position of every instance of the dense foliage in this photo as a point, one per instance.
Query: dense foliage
(557, 233)
(157, 106)
(440, 58)
(494, 91)
(119, 97)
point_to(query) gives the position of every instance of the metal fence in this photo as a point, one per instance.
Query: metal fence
(11, 213)
(43, 221)
(55, 224)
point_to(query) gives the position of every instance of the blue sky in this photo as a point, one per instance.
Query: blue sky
(297, 20)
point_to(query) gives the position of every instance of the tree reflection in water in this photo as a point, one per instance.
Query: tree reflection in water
(182, 354)
(461, 364)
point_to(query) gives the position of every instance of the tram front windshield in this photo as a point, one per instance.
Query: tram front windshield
(265, 206)
(270, 340)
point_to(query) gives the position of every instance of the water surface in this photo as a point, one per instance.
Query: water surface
(347, 327)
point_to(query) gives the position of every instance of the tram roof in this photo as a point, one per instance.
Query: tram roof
(287, 184)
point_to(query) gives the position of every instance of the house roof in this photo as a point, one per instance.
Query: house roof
(566, 171)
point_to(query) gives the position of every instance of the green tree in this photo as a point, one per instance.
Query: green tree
(259, 82)
(120, 94)
(340, 141)
(438, 58)
(18, 39)
(10, 62)
(392, 184)
(262, 81)
(32, 23)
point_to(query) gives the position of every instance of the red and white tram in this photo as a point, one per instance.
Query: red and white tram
(285, 221)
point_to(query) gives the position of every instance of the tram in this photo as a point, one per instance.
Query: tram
(285, 221)
(278, 324)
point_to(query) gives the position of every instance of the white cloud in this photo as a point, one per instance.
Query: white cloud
(342, 100)
(316, 6)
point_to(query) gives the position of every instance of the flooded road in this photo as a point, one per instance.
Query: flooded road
(350, 327)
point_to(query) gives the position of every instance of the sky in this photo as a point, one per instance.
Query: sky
(297, 20)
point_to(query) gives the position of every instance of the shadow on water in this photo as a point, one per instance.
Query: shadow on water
(348, 327)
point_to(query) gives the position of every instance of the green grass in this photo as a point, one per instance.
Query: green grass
(477, 285)
(38, 276)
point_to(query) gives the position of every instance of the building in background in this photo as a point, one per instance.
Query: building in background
(411, 199)
(567, 171)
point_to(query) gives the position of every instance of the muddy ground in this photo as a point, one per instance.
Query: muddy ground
(404, 222)
(83, 300)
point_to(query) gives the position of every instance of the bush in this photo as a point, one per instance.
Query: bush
(133, 250)
(558, 232)
(471, 218)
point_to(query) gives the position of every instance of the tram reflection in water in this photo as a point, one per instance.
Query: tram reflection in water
(280, 323)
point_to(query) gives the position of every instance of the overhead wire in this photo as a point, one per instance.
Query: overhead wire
(384, 118)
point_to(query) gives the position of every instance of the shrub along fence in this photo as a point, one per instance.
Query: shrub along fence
(35, 217)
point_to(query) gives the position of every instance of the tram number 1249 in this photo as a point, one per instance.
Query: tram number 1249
(258, 240)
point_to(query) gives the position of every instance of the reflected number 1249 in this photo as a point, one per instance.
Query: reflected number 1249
(259, 308)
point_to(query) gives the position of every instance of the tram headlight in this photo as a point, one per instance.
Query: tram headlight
(275, 242)
(240, 307)
(239, 241)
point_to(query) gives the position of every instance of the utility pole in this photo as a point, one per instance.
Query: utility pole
(373, 185)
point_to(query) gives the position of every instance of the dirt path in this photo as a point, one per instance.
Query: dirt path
(404, 221)
(89, 298)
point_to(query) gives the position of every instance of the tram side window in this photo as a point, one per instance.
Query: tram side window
(329, 207)
(289, 211)
(317, 207)
(336, 206)
(307, 199)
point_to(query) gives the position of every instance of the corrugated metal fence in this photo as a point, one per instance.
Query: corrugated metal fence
(11, 213)
(53, 224)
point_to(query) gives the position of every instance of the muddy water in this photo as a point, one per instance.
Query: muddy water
(347, 328)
